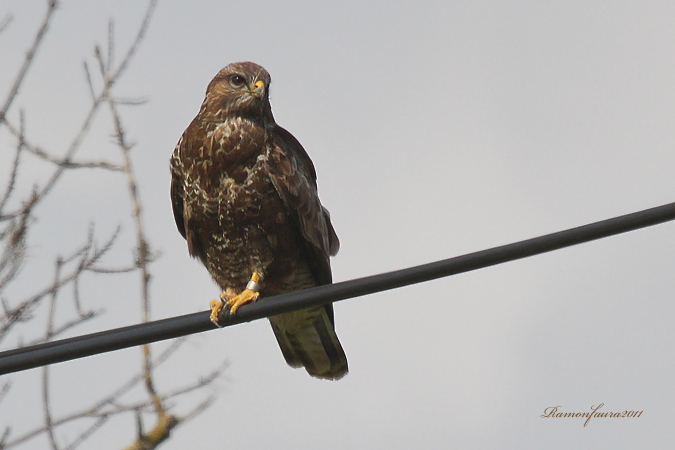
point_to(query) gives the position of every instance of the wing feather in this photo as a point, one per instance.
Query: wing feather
(177, 202)
(294, 177)
(182, 214)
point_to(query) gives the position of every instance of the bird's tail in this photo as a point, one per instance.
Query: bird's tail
(307, 338)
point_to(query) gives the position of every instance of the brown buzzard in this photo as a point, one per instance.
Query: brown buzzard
(245, 199)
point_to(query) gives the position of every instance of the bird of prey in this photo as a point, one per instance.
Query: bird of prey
(245, 199)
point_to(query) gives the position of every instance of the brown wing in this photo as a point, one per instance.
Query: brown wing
(177, 201)
(181, 212)
(293, 176)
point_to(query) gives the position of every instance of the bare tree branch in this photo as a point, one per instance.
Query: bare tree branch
(165, 422)
(11, 259)
(15, 166)
(64, 162)
(110, 404)
(88, 432)
(4, 23)
(45, 370)
(109, 80)
(88, 258)
(51, 7)
(137, 42)
(70, 164)
(49, 424)
(4, 390)
(4, 437)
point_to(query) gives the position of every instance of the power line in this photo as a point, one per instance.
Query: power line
(119, 338)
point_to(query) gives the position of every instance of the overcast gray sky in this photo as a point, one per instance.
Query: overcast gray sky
(437, 129)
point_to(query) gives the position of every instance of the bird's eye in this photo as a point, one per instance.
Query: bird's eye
(237, 81)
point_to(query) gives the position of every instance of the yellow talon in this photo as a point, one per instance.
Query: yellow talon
(233, 300)
(248, 295)
(216, 307)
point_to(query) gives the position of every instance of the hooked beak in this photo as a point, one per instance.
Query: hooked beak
(258, 89)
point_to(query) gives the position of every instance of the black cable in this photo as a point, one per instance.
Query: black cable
(105, 341)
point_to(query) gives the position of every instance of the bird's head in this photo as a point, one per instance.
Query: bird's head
(239, 90)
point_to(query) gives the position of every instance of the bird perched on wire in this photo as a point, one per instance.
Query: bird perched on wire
(244, 197)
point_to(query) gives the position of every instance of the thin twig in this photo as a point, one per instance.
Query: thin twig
(4, 390)
(165, 422)
(113, 269)
(66, 163)
(110, 80)
(202, 382)
(81, 318)
(88, 256)
(49, 424)
(4, 23)
(70, 164)
(130, 101)
(200, 408)
(15, 164)
(137, 42)
(11, 260)
(88, 432)
(89, 82)
(4, 437)
(45, 370)
(30, 57)
(109, 405)
(111, 46)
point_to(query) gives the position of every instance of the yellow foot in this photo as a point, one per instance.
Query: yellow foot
(233, 300)
(248, 295)
(218, 305)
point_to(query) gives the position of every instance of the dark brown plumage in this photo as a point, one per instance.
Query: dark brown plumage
(245, 198)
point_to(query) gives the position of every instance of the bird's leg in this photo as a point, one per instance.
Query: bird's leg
(233, 300)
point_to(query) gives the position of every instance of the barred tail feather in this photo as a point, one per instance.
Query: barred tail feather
(307, 338)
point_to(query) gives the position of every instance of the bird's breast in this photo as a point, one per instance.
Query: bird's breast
(224, 166)
(234, 141)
